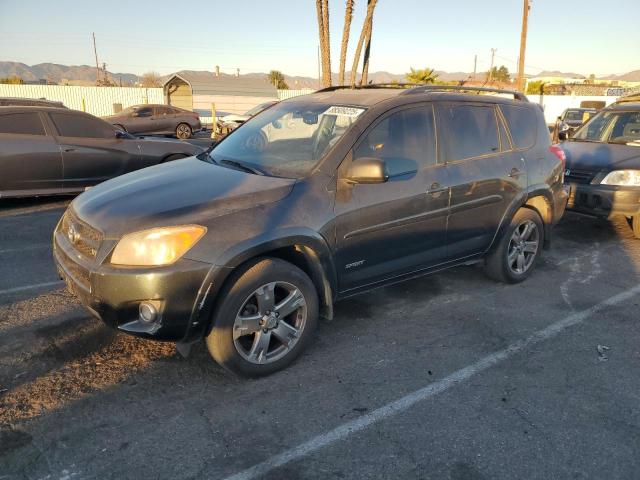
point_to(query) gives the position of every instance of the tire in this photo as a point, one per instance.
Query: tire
(514, 259)
(183, 131)
(245, 340)
(175, 156)
(634, 223)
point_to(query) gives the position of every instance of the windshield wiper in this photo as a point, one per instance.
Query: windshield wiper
(240, 166)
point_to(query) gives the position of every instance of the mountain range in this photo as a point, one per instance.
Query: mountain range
(85, 74)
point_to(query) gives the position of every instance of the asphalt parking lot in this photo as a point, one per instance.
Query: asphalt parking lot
(450, 376)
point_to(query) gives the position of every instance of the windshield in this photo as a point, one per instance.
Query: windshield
(611, 127)
(256, 110)
(575, 115)
(288, 139)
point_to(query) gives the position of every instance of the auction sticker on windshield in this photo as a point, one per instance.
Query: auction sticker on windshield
(351, 112)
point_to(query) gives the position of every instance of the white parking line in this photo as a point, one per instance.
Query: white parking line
(406, 402)
(30, 287)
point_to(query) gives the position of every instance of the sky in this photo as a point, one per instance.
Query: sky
(259, 35)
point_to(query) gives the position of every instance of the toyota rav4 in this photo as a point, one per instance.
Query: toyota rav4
(314, 200)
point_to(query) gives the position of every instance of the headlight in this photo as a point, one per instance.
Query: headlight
(629, 178)
(157, 246)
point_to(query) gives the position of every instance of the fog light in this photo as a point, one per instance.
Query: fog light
(148, 312)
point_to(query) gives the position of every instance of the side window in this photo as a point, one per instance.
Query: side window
(21, 124)
(83, 126)
(405, 140)
(523, 124)
(162, 111)
(468, 131)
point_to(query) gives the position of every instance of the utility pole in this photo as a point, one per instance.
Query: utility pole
(475, 66)
(95, 52)
(523, 45)
(319, 69)
(493, 55)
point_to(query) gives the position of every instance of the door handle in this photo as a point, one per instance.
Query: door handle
(515, 173)
(436, 188)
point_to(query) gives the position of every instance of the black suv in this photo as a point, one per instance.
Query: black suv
(316, 199)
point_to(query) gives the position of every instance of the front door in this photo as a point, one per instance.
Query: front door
(91, 152)
(485, 174)
(389, 229)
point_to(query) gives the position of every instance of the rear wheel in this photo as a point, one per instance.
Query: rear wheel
(266, 318)
(183, 131)
(515, 256)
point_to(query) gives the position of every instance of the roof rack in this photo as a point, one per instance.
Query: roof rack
(369, 86)
(412, 88)
(461, 88)
(632, 97)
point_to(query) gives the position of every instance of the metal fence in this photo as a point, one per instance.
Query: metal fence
(98, 101)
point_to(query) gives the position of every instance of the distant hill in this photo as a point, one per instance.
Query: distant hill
(57, 73)
(86, 74)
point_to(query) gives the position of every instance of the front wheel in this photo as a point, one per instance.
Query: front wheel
(266, 318)
(515, 256)
(183, 131)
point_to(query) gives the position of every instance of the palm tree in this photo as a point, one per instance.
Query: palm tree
(356, 59)
(423, 75)
(322, 9)
(367, 51)
(348, 15)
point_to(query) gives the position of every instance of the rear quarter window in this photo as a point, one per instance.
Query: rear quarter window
(523, 125)
(21, 124)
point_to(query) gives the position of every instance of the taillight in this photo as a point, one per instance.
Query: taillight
(558, 152)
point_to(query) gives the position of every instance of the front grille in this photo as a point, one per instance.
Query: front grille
(82, 237)
(578, 176)
(79, 274)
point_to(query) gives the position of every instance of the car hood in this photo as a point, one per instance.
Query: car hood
(180, 192)
(600, 156)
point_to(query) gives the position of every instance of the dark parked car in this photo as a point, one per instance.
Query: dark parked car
(314, 200)
(29, 102)
(45, 151)
(571, 119)
(157, 119)
(603, 164)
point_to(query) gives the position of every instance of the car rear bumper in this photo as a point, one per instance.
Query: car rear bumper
(181, 293)
(604, 200)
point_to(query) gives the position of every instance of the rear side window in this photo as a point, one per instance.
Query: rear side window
(21, 124)
(163, 111)
(523, 124)
(468, 130)
(83, 126)
(405, 140)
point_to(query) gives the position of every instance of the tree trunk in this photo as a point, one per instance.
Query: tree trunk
(363, 34)
(326, 50)
(367, 51)
(348, 15)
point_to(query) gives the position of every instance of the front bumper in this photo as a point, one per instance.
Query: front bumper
(182, 293)
(604, 200)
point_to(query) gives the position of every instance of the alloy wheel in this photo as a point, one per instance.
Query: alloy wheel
(270, 322)
(523, 247)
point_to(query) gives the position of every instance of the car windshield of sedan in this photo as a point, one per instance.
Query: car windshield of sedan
(611, 127)
(286, 140)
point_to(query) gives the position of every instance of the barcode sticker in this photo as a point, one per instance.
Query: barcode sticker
(351, 112)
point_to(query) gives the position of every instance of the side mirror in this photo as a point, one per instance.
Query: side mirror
(367, 170)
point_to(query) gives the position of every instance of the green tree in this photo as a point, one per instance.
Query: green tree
(533, 88)
(276, 78)
(499, 74)
(12, 79)
(421, 75)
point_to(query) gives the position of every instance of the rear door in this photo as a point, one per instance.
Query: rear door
(30, 160)
(485, 176)
(91, 152)
(163, 119)
(389, 229)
